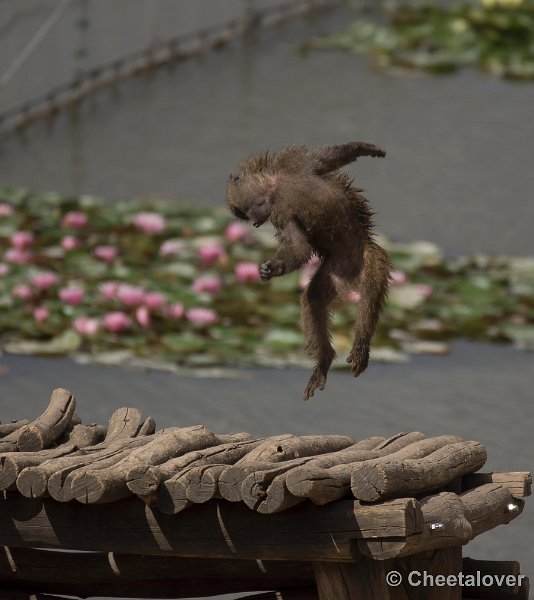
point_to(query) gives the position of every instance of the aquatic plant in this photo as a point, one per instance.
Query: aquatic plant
(493, 35)
(189, 293)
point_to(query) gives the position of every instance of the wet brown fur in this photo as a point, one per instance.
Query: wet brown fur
(316, 210)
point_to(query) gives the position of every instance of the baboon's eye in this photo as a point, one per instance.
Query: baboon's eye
(239, 214)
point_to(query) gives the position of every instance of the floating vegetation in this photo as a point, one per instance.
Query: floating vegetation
(164, 285)
(496, 36)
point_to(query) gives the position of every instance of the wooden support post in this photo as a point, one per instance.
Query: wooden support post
(365, 580)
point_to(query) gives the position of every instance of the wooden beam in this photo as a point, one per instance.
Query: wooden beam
(144, 576)
(211, 530)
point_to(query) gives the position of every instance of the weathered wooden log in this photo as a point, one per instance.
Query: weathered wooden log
(211, 530)
(445, 525)
(13, 463)
(490, 505)
(46, 429)
(388, 477)
(125, 423)
(327, 478)
(202, 483)
(519, 483)
(231, 480)
(323, 485)
(38, 477)
(145, 481)
(108, 482)
(290, 447)
(144, 576)
(8, 428)
(450, 520)
(505, 575)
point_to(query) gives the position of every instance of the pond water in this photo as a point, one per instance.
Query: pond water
(458, 172)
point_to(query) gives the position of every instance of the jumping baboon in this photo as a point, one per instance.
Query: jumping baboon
(315, 210)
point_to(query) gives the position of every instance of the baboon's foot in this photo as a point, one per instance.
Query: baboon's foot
(317, 380)
(359, 359)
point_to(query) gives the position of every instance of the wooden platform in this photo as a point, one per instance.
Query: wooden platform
(187, 512)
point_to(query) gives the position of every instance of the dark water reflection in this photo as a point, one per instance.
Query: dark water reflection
(458, 172)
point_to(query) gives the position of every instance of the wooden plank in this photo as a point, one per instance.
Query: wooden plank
(389, 477)
(144, 576)
(519, 483)
(211, 530)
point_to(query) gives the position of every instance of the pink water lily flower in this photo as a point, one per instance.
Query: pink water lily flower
(71, 295)
(247, 271)
(170, 247)
(149, 222)
(130, 295)
(106, 253)
(70, 242)
(424, 289)
(22, 291)
(41, 313)
(207, 283)
(22, 239)
(210, 252)
(44, 280)
(117, 321)
(176, 311)
(4, 269)
(6, 210)
(74, 220)
(201, 316)
(108, 289)
(397, 277)
(142, 315)
(155, 300)
(86, 325)
(236, 232)
(17, 256)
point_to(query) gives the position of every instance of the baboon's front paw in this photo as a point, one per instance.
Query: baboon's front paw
(317, 380)
(359, 359)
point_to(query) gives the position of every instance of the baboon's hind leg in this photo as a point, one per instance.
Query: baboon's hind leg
(315, 318)
(373, 284)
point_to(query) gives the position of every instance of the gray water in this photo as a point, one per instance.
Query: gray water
(458, 172)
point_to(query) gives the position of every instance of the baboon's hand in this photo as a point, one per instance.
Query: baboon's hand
(317, 380)
(359, 359)
(270, 269)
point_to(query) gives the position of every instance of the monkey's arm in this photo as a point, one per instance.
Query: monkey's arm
(292, 252)
(329, 158)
